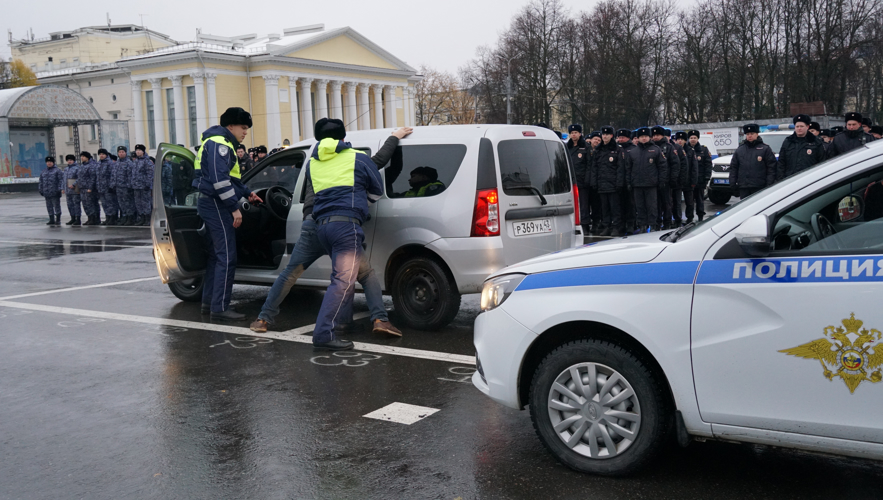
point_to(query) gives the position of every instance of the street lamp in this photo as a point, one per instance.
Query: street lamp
(509, 88)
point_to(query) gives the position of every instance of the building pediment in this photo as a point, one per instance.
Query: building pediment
(343, 46)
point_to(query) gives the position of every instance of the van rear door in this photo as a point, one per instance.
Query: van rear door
(536, 199)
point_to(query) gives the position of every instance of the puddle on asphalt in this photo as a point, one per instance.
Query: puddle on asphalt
(49, 249)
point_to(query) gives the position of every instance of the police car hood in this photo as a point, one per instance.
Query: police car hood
(629, 250)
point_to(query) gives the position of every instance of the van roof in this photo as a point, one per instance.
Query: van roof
(454, 132)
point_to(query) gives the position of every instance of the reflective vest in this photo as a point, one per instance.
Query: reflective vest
(338, 170)
(234, 172)
(422, 191)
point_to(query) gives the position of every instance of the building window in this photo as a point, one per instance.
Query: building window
(111, 81)
(93, 133)
(91, 101)
(76, 60)
(151, 133)
(113, 97)
(170, 111)
(115, 116)
(89, 84)
(191, 109)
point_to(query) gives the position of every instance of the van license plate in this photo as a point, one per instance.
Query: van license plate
(722, 181)
(538, 226)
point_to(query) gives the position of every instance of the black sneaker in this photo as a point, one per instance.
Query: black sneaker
(334, 345)
(228, 315)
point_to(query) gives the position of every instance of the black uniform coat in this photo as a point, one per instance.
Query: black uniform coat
(690, 177)
(674, 163)
(609, 168)
(753, 165)
(646, 166)
(799, 153)
(847, 141)
(703, 157)
(579, 157)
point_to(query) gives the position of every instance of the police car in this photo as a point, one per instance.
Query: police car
(719, 189)
(760, 324)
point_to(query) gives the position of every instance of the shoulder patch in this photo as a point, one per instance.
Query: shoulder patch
(223, 150)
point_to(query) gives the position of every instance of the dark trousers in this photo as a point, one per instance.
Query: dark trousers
(179, 196)
(343, 242)
(627, 204)
(611, 214)
(585, 210)
(53, 205)
(220, 267)
(699, 201)
(73, 205)
(676, 204)
(595, 206)
(645, 206)
(663, 197)
(746, 192)
(90, 203)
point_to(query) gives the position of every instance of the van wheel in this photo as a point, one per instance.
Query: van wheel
(188, 290)
(717, 197)
(598, 408)
(424, 294)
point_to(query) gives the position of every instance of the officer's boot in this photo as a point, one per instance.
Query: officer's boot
(90, 221)
(137, 221)
(112, 220)
(605, 231)
(58, 220)
(51, 221)
(70, 222)
(145, 221)
(77, 221)
(104, 222)
(124, 221)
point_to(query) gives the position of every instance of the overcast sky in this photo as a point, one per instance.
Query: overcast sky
(442, 34)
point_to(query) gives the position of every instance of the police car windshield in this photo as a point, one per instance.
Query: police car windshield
(774, 141)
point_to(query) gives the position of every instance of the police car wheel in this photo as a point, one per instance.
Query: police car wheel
(188, 290)
(424, 294)
(717, 197)
(598, 408)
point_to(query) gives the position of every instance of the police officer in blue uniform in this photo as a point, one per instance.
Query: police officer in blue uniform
(344, 180)
(142, 182)
(122, 182)
(106, 191)
(72, 190)
(218, 178)
(89, 188)
(51, 185)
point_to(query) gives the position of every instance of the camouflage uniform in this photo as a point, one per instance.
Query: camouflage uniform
(51, 185)
(142, 182)
(72, 190)
(89, 187)
(106, 188)
(167, 182)
(122, 179)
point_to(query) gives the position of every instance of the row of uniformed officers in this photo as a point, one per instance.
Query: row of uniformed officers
(120, 185)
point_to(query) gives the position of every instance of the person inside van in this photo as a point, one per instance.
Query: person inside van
(423, 181)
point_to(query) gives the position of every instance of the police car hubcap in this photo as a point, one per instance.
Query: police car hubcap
(594, 410)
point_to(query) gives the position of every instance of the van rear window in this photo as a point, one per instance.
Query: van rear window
(527, 164)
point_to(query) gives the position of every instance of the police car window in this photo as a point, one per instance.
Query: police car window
(177, 181)
(279, 172)
(421, 171)
(526, 164)
(844, 219)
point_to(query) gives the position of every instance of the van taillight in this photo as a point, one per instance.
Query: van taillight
(576, 221)
(486, 217)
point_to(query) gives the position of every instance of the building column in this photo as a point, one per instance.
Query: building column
(295, 116)
(199, 84)
(390, 105)
(158, 128)
(306, 106)
(378, 106)
(352, 113)
(212, 98)
(336, 107)
(364, 108)
(137, 115)
(406, 99)
(274, 127)
(178, 93)
(321, 99)
(412, 113)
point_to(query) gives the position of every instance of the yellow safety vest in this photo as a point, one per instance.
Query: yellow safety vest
(422, 191)
(234, 172)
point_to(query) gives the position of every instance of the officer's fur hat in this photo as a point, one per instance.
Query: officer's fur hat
(595, 133)
(691, 133)
(867, 121)
(50, 158)
(261, 149)
(329, 128)
(668, 132)
(236, 116)
(429, 172)
(852, 115)
(657, 130)
(607, 129)
(877, 129)
(681, 135)
(114, 157)
(642, 131)
(836, 130)
(815, 126)
(122, 148)
(575, 127)
(70, 157)
(240, 147)
(826, 132)
(103, 151)
(141, 147)
(751, 128)
(624, 132)
(87, 154)
(802, 118)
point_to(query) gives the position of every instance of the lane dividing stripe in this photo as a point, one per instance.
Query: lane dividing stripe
(59, 290)
(294, 335)
(68, 242)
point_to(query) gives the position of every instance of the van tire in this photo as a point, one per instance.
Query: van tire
(424, 294)
(188, 290)
(718, 197)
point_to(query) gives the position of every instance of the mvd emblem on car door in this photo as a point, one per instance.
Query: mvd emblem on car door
(851, 360)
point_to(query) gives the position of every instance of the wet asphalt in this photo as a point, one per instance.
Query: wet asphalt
(123, 391)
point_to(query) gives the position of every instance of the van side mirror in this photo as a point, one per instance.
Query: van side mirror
(753, 236)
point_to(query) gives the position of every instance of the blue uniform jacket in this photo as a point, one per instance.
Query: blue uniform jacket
(215, 163)
(122, 171)
(105, 175)
(89, 176)
(142, 173)
(72, 172)
(166, 177)
(51, 182)
(350, 197)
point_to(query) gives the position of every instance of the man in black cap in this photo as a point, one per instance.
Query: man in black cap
(579, 153)
(51, 185)
(851, 138)
(122, 182)
(705, 166)
(688, 179)
(594, 201)
(245, 161)
(663, 197)
(646, 169)
(815, 129)
(800, 150)
(867, 124)
(106, 192)
(89, 188)
(261, 152)
(218, 178)
(753, 166)
(877, 132)
(626, 196)
(609, 179)
(72, 190)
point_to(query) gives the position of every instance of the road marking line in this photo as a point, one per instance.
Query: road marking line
(294, 335)
(47, 292)
(82, 244)
(402, 413)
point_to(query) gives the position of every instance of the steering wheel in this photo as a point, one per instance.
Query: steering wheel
(822, 228)
(278, 202)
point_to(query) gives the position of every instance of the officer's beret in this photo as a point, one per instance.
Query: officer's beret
(87, 154)
(642, 131)
(852, 115)
(121, 148)
(657, 130)
(70, 157)
(751, 128)
(802, 118)
(329, 128)
(141, 147)
(236, 116)
(867, 121)
(815, 126)
(826, 132)
(50, 158)
(260, 149)
(595, 133)
(691, 133)
(103, 151)
(681, 135)
(624, 132)
(607, 129)
(575, 128)
(877, 129)
(240, 147)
